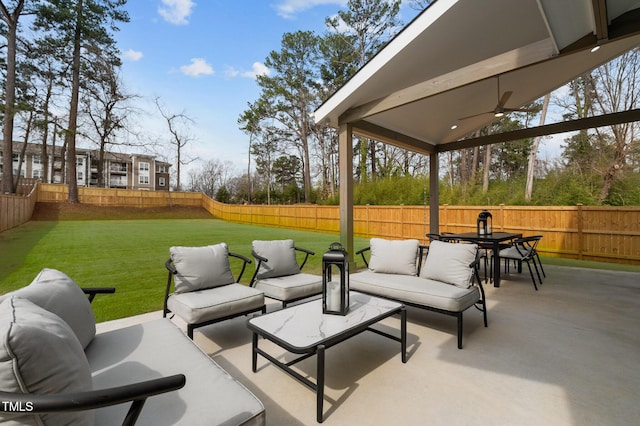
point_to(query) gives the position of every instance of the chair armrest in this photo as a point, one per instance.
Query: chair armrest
(92, 292)
(137, 393)
(361, 253)
(245, 260)
(422, 255)
(260, 260)
(307, 254)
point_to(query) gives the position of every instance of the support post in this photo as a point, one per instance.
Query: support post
(434, 193)
(345, 161)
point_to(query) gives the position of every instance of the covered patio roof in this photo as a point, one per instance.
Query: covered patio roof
(459, 61)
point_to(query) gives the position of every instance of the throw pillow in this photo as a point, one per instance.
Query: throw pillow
(40, 354)
(56, 292)
(201, 267)
(281, 255)
(449, 263)
(394, 256)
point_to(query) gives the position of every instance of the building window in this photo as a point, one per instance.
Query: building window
(143, 176)
(36, 159)
(161, 168)
(161, 181)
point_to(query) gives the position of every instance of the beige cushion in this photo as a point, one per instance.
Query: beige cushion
(394, 256)
(158, 348)
(416, 290)
(40, 354)
(201, 267)
(56, 292)
(449, 263)
(281, 256)
(204, 305)
(290, 287)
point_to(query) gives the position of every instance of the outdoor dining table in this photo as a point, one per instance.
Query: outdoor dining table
(494, 240)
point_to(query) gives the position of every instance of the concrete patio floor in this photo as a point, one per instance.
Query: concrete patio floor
(568, 354)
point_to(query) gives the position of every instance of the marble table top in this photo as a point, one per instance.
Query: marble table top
(305, 326)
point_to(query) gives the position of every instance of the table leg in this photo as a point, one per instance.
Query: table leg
(496, 264)
(254, 359)
(320, 383)
(403, 333)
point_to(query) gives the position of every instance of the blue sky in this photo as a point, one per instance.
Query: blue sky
(201, 57)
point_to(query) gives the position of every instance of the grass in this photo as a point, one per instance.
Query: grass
(130, 254)
(127, 250)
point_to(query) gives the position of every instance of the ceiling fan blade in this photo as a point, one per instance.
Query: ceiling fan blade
(520, 110)
(504, 99)
(475, 115)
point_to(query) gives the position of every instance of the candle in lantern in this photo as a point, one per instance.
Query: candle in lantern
(333, 296)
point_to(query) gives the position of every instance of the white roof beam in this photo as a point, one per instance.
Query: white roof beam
(491, 67)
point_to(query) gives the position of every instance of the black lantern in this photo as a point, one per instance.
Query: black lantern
(335, 289)
(484, 223)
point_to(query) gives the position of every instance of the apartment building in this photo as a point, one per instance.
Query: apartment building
(127, 171)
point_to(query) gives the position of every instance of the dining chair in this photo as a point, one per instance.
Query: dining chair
(524, 250)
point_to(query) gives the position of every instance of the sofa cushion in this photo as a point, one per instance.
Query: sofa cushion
(394, 256)
(280, 255)
(449, 263)
(290, 287)
(40, 354)
(204, 305)
(201, 267)
(56, 292)
(415, 290)
(156, 349)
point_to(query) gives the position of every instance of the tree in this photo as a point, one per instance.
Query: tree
(617, 89)
(292, 93)
(249, 122)
(534, 149)
(77, 25)
(364, 28)
(178, 125)
(10, 17)
(105, 105)
(420, 4)
(263, 150)
(211, 177)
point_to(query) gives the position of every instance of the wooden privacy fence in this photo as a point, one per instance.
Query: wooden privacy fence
(610, 234)
(16, 209)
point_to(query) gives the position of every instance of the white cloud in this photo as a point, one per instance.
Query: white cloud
(132, 55)
(197, 68)
(257, 69)
(176, 11)
(231, 72)
(289, 8)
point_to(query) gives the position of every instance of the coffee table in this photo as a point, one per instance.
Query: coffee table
(304, 329)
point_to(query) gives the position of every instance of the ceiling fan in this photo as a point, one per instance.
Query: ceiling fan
(500, 109)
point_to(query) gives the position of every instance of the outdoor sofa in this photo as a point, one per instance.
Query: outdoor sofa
(448, 283)
(55, 369)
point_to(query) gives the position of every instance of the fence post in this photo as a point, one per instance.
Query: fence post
(502, 217)
(580, 232)
(444, 218)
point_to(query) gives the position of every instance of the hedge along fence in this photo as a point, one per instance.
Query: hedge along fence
(610, 234)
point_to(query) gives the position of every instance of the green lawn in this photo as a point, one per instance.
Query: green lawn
(130, 255)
